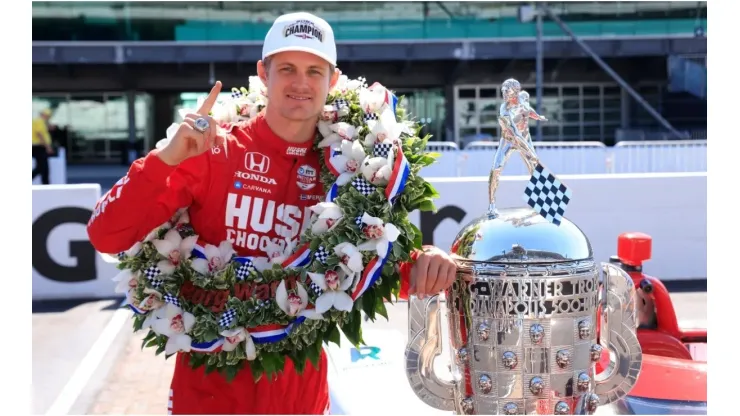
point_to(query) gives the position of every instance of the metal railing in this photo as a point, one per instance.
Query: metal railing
(573, 158)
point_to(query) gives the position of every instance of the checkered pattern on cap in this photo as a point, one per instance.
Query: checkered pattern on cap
(321, 254)
(382, 149)
(244, 270)
(227, 318)
(235, 93)
(547, 195)
(171, 299)
(363, 186)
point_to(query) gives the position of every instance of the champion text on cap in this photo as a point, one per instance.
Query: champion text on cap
(301, 32)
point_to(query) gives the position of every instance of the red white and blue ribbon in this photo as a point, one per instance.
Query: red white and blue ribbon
(210, 346)
(266, 334)
(199, 250)
(329, 153)
(399, 176)
(137, 310)
(371, 274)
(300, 258)
(333, 193)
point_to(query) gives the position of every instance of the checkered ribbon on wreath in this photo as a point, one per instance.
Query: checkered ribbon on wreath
(382, 149)
(227, 318)
(151, 273)
(370, 116)
(171, 299)
(547, 195)
(363, 186)
(316, 289)
(358, 221)
(321, 254)
(340, 103)
(244, 270)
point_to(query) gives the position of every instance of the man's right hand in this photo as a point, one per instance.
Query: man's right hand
(189, 141)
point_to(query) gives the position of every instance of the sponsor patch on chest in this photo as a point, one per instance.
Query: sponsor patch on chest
(306, 177)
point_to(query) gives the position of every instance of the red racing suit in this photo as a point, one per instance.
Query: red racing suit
(255, 188)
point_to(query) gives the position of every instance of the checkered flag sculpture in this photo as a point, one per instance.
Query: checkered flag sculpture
(547, 195)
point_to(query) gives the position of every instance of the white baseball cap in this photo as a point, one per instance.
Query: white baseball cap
(301, 32)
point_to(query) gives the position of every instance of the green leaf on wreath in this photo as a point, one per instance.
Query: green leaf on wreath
(427, 205)
(334, 335)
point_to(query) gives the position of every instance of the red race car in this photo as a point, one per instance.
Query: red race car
(673, 379)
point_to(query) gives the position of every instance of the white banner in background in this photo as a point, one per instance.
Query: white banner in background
(672, 208)
(65, 264)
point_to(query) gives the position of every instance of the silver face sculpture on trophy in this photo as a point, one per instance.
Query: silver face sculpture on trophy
(523, 312)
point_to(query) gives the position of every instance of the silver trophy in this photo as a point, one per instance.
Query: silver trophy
(522, 313)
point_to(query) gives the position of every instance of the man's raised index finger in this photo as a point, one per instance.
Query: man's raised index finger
(207, 105)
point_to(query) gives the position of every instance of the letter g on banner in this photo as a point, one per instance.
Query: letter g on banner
(430, 221)
(82, 251)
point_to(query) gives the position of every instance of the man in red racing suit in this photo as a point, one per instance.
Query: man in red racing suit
(252, 186)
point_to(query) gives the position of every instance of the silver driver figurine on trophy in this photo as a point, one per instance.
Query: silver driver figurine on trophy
(523, 312)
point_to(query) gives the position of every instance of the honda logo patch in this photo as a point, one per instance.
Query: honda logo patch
(256, 162)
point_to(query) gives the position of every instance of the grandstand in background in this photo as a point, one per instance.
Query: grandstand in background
(113, 71)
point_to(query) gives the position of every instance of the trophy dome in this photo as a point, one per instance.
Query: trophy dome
(520, 235)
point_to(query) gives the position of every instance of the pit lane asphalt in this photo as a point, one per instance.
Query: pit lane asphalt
(64, 331)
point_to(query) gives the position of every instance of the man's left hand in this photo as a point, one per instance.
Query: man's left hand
(433, 272)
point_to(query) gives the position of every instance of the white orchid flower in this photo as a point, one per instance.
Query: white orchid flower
(276, 254)
(134, 250)
(344, 84)
(216, 258)
(379, 234)
(330, 215)
(348, 163)
(374, 99)
(180, 217)
(339, 131)
(350, 258)
(152, 300)
(175, 249)
(328, 116)
(153, 234)
(334, 285)
(385, 131)
(126, 281)
(292, 304)
(378, 170)
(175, 325)
(233, 337)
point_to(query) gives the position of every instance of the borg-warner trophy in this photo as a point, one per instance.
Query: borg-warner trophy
(522, 313)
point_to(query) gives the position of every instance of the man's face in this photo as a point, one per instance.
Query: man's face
(297, 84)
